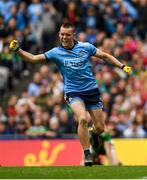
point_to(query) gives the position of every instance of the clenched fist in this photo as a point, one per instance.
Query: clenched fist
(126, 69)
(14, 45)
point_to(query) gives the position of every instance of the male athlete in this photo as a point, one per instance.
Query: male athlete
(105, 148)
(81, 90)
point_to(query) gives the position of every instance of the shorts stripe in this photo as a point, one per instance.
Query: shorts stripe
(74, 99)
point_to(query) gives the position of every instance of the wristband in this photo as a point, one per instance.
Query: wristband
(123, 66)
(16, 49)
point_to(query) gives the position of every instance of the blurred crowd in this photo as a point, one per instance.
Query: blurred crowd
(117, 27)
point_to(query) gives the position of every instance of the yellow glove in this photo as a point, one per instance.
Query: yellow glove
(14, 45)
(126, 69)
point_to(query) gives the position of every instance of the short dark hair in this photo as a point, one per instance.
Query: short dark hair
(67, 25)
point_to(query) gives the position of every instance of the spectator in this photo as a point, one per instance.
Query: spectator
(35, 11)
(142, 18)
(45, 75)
(34, 86)
(36, 130)
(65, 123)
(11, 111)
(3, 117)
(53, 128)
(49, 24)
(134, 131)
(42, 97)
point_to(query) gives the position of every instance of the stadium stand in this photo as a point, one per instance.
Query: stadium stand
(31, 96)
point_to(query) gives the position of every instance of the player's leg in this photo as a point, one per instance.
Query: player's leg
(79, 110)
(97, 117)
(111, 153)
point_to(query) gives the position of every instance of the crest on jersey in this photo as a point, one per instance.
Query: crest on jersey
(81, 53)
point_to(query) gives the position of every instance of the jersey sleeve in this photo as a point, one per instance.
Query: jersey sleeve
(91, 49)
(49, 55)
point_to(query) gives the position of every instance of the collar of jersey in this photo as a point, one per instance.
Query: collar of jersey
(75, 42)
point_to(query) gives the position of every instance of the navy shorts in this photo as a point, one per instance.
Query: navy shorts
(90, 98)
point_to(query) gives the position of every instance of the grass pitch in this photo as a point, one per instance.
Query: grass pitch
(76, 172)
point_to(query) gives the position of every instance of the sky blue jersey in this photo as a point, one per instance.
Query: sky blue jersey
(75, 66)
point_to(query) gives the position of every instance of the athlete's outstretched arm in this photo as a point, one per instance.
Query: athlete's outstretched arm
(112, 60)
(26, 56)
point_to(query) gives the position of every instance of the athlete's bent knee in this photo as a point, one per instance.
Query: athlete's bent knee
(100, 127)
(82, 120)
